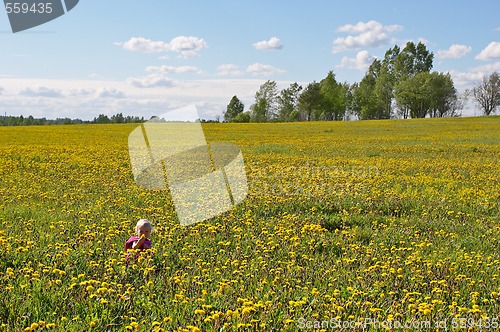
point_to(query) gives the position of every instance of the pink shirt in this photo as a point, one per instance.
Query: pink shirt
(130, 243)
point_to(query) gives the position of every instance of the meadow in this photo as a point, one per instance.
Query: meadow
(390, 221)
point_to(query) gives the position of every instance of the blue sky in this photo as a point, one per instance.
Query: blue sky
(146, 57)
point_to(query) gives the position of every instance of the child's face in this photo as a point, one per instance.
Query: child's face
(144, 230)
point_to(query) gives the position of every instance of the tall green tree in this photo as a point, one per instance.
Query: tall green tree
(334, 98)
(384, 93)
(413, 59)
(102, 119)
(414, 94)
(234, 108)
(444, 98)
(117, 118)
(288, 101)
(310, 101)
(265, 107)
(365, 99)
(375, 95)
(242, 117)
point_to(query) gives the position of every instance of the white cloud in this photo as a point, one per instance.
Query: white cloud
(272, 44)
(423, 40)
(174, 70)
(488, 68)
(492, 51)
(468, 79)
(158, 76)
(80, 92)
(80, 99)
(151, 81)
(1, 90)
(362, 61)
(187, 46)
(455, 51)
(229, 70)
(362, 27)
(465, 79)
(41, 91)
(258, 69)
(109, 93)
(364, 34)
(96, 76)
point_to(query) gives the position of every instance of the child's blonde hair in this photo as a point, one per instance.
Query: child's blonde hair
(141, 223)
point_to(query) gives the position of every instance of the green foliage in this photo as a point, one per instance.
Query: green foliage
(412, 60)
(413, 94)
(334, 99)
(444, 98)
(375, 94)
(265, 106)
(31, 121)
(310, 101)
(427, 93)
(369, 95)
(234, 108)
(242, 117)
(288, 103)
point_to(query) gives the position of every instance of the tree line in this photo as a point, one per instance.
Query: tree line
(101, 119)
(401, 85)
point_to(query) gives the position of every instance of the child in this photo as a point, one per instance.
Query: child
(141, 241)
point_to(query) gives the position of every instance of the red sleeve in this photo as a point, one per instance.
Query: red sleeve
(130, 241)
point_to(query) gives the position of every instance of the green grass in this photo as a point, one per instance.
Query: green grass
(369, 219)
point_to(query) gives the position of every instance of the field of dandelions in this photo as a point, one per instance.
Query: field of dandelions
(386, 221)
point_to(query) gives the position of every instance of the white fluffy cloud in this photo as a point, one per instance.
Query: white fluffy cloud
(258, 69)
(364, 34)
(109, 93)
(41, 91)
(455, 51)
(80, 97)
(469, 78)
(187, 46)
(272, 44)
(80, 92)
(1, 90)
(491, 52)
(157, 76)
(229, 70)
(151, 81)
(362, 61)
(174, 70)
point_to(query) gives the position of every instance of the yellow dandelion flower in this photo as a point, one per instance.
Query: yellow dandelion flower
(199, 312)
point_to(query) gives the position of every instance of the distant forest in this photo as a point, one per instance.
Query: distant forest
(101, 119)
